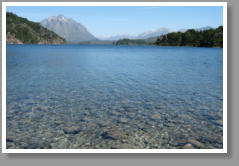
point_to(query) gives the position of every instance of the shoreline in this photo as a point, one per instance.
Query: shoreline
(108, 45)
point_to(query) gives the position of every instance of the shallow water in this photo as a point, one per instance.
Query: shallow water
(96, 96)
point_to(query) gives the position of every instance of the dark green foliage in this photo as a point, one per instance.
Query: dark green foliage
(206, 38)
(130, 42)
(27, 31)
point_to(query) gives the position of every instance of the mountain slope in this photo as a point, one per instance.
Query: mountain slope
(67, 28)
(22, 31)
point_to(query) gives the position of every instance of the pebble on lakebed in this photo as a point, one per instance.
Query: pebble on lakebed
(188, 146)
(156, 117)
(220, 122)
(123, 120)
(196, 143)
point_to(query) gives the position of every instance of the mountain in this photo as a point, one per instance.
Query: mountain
(197, 29)
(67, 28)
(118, 37)
(153, 33)
(21, 31)
(204, 28)
(182, 30)
(145, 35)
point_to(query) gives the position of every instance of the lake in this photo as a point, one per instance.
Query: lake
(106, 96)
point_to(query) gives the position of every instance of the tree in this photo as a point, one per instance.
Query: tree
(205, 38)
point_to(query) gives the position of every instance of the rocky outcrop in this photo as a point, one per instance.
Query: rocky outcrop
(11, 39)
(53, 41)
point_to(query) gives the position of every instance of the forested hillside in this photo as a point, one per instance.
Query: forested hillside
(22, 31)
(204, 38)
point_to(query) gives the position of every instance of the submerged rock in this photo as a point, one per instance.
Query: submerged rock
(113, 134)
(219, 122)
(123, 120)
(196, 143)
(72, 130)
(62, 144)
(156, 117)
(10, 139)
(107, 135)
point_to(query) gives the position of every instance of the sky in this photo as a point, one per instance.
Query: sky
(115, 20)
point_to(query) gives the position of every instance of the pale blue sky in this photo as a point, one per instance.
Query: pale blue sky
(109, 21)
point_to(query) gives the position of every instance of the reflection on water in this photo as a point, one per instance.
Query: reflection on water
(86, 96)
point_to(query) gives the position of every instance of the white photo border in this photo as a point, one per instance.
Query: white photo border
(222, 4)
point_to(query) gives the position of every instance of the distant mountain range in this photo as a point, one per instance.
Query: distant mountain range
(204, 28)
(153, 33)
(150, 34)
(144, 35)
(68, 28)
(118, 37)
